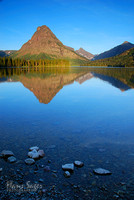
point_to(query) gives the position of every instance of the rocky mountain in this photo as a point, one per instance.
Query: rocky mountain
(115, 51)
(85, 54)
(70, 48)
(45, 45)
(4, 53)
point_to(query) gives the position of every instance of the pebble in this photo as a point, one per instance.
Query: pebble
(101, 171)
(29, 161)
(33, 154)
(41, 153)
(34, 148)
(67, 174)
(68, 167)
(78, 163)
(11, 159)
(7, 153)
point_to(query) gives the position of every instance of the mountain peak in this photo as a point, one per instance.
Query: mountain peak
(115, 51)
(84, 53)
(126, 42)
(81, 48)
(45, 45)
(42, 27)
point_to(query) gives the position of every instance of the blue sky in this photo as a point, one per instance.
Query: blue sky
(95, 25)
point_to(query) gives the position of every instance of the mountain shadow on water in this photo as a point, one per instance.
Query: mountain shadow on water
(113, 81)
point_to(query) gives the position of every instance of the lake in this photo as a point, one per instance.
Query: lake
(80, 113)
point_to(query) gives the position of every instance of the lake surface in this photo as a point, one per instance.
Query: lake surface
(84, 114)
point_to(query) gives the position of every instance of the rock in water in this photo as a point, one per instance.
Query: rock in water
(6, 153)
(33, 154)
(41, 153)
(34, 148)
(29, 161)
(11, 159)
(68, 167)
(101, 171)
(78, 163)
(67, 174)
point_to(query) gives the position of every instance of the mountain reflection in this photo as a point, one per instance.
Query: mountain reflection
(45, 83)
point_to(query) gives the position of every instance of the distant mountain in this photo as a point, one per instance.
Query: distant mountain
(45, 45)
(125, 59)
(85, 54)
(4, 53)
(115, 51)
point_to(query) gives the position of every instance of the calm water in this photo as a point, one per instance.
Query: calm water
(73, 114)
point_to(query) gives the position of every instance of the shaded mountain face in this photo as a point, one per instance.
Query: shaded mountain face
(85, 54)
(126, 59)
(115, 51)
(45, 45)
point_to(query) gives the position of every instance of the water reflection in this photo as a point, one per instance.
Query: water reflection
(89, 119)
(45, 83)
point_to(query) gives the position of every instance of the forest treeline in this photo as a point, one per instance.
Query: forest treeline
(10, 62)
(124, 60)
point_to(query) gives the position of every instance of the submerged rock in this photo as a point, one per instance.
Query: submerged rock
(33, 154)
(11, 159)
(67, 174)
(68, 167)
(101, 171)
(41, 153)
(29, 161)
(6, 153)
(34, 148)
(78, 163)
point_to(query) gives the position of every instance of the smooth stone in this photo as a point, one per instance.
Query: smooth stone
(7, 153)
(34, 148)
(67, 174)
(11, 159)
(78, 163)
(41, 153)
(68, 167)
(1, 169)
(101, 171)
(29, 161)
(33, 154)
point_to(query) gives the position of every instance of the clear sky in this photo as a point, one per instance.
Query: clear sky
(95, 25)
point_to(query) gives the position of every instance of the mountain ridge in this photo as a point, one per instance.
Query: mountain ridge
(85, 53)
(117, 50)
(45, 45)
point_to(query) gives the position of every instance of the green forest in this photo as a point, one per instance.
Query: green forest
(125, 59)
(10, 62)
